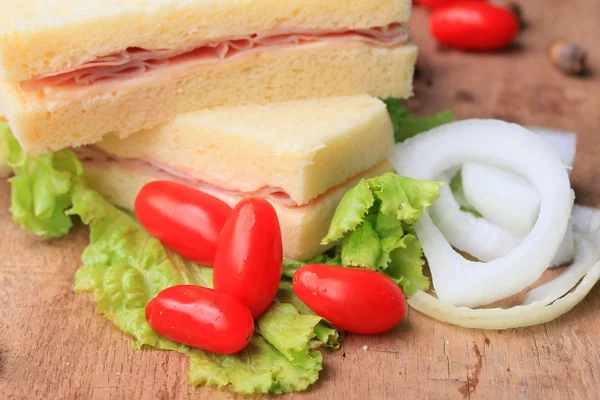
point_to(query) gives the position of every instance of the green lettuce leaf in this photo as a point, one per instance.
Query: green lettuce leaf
(324, 332)
(286, 295)
(124, 267)
(362, 246)
(402, 197)
(351, 211)
(260, 368)
(281, 329)
(331, 257)
(406, 125)
(406, 266)
(40, 190)
(282, 357)
(379, 234)
(391, 235)
(395, 196)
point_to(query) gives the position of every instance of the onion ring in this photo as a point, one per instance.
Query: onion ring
(482, 237)
(563, 142)
(542, 304)
(502, 197)
(509, 146)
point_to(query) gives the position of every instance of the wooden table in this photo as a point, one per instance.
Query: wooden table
(52, 345)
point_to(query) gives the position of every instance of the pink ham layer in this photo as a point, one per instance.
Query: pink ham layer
(136, 61)
(94, 155)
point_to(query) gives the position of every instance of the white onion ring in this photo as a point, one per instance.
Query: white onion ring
(587, 219)
(542, 304)
(502, 197)
(497, 202)
(588, 253)
(469, 318)
(566, 250)
(508, 200)
(509, 146)
(480, 237)
(464, 231)
(563, 142)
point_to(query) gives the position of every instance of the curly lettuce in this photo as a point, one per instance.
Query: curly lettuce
(407, 125)
(374, 224)
(41, 187)
(124, 267)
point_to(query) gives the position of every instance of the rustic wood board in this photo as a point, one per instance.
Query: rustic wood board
(53, 345)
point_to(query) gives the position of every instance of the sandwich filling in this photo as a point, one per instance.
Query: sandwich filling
(134, 61)
(92, 155)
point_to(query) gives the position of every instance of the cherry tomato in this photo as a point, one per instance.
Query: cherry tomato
(355, 300)
(202, 318)
(249, 259)
(183, 218)
(474, 25)
(433, 4)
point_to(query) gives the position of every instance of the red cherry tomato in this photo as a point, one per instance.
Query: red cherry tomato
(356, 300)
(201, 317)
(433, 4)
(183, 218)
(249, 259)
(474, 25)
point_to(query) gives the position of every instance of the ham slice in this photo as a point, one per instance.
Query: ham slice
(134, 61)
(91, 154)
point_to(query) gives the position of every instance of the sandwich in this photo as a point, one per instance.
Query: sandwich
(73, 71)
(302, 156)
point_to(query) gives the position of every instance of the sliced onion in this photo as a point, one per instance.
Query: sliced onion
(462, 282)
(486, 189)
(505, 198)
(566, 250)
(502, 197)
(542, 304)
(516, 317)
(587, 255)
(464, 231)
(564, 143)
(587, 219)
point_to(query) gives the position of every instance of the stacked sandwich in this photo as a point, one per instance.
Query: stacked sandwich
(236, 98)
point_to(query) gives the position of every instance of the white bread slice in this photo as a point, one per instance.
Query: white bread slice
(43, 37)
(301, 147)
(302, 228)
(337, 69)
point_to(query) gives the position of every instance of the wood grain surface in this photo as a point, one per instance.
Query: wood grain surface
(54, 346)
